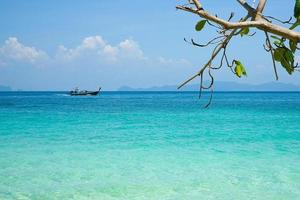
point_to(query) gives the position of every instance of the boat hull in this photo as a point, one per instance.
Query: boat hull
(85, 93)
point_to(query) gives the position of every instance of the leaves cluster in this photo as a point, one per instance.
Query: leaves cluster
(282, 50)
(285, 55)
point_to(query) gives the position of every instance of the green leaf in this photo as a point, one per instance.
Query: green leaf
(278, 43)
(245, 31)
(286, 58)
(275, 37)
(287, 66)
(239, 69)
(200, 25)
(297, 9)
(278, 54)
(289, 56)
(294, 25)
(293, 46)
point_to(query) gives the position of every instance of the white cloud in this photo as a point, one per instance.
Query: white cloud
(131, 48)
(113, 65)
(93, 48)
(13, 50)
(89, 44)
(110, 52)
(92, 42)
(96, 46)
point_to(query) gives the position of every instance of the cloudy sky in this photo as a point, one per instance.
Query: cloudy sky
(60, 44)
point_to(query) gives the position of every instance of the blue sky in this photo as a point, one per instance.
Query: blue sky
(57, 45)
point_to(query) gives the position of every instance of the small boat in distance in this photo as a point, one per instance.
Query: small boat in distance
(77, 92)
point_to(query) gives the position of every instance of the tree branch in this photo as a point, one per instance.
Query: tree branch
(261, 6)
(227, 30)
(272, 54)
(197, 4)
(259, 9)
(261, 24)
(251, 11)
(215, 53)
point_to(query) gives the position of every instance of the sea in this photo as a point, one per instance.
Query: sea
(150, 146)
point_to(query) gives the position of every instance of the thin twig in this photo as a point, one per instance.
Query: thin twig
(272, 54)
(281, 21)
(226, 40)
(212, 41)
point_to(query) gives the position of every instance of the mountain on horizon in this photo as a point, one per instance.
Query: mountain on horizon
(223, 86)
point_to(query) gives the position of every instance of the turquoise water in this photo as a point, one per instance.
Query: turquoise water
(159, 146)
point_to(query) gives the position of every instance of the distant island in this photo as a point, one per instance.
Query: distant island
(224, 86)
(5, 88)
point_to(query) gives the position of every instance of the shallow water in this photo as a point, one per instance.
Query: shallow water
(160, 146)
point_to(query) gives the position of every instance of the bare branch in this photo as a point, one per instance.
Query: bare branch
(272, 54)
(231, 16)
(197, 4)
(251, 11)
(212, 41)
(261, 24)
(210, 99)
(216, 52)
(261, 6)
(281, 21)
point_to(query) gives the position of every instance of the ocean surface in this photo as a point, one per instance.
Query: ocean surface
(149, 146)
